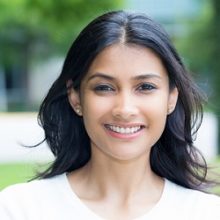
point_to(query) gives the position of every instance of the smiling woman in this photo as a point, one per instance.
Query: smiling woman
(119, 121)
(125, 107)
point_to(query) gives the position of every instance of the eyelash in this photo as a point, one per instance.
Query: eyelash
(145, 87)
(103, 88)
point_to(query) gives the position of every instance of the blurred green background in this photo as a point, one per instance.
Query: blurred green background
(36, 34)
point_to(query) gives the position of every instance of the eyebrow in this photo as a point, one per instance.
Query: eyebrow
(111, 78)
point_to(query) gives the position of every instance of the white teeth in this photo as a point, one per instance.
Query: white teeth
(124, 130)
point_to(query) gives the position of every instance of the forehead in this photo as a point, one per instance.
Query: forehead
(124, 61)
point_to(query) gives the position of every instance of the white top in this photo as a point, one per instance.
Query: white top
(53, 199)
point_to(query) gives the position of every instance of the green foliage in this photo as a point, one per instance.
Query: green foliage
(202, 50)
(33, 30)
(52, 21)
(196, 46)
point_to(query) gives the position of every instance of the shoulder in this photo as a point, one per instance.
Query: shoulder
(198, 204)
(20, 198)
(33, 188)
(26, 189)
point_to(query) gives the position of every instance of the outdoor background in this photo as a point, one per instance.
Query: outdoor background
(34, 38)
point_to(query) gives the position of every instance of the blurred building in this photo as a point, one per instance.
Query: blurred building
(174, 15)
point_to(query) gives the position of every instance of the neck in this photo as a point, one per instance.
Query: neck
(123, 179)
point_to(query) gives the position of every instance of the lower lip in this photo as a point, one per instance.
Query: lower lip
(124, 136)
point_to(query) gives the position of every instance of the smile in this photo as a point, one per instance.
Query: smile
(124, 130)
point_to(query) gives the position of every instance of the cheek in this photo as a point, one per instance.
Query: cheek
(156, 112)
(157, 105)
(94, 109)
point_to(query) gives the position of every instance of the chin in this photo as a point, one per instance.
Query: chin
(129, 156)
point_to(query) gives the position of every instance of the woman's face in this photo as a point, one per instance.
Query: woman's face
(125, 99)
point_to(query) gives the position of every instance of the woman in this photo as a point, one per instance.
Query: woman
(119, 120)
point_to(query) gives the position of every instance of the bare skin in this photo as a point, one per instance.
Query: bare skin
(118, 183)
(117, 191)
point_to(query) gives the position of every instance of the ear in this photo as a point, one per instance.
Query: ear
(173, 97)
(74, 98)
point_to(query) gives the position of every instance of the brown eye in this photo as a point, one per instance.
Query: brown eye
(146, 87)
(103, 88)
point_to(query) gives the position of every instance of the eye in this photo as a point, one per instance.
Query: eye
(103, 88)
(146, 87)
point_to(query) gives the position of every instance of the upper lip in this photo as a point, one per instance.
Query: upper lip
(126, 125)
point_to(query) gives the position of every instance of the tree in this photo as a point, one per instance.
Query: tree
(215, 60)
(202, 49)
(35, 29)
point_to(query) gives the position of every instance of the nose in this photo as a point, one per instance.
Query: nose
(125, 107)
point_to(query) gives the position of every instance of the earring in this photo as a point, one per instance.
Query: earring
(170, 110)
(78, 110)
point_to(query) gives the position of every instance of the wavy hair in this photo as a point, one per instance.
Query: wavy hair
(173, 156)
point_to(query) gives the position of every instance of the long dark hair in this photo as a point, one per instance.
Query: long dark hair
(173, 156)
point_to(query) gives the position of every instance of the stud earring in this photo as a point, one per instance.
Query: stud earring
(78, 111)
(170, 110)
